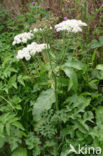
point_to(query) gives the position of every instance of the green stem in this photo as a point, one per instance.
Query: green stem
(55, 80)
(26, 71)
(64, 49)
(57, 106)
(94, 57)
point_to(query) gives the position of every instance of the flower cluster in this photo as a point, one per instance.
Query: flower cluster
(22, 38)
(31, 50)
(41, 29)
(70, 25)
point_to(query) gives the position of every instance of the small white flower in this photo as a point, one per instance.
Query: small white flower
(13, 43)
(51, 27)
(18, 41)
(35, 30)
(24, 40)
(27, 57)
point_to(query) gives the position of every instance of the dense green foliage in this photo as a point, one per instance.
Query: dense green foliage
(55, 99)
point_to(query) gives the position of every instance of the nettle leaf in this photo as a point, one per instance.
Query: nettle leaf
(73, 78)
(44, 102)
(20, 152)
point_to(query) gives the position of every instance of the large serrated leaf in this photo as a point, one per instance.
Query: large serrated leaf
(44, 102)
(73, 78)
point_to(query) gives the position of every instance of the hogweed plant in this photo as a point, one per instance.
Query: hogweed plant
(71, 26)
(58, 95)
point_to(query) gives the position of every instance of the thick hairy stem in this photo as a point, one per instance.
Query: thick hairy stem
(55, 81)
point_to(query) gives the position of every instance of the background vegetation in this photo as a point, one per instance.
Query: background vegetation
(56, 98)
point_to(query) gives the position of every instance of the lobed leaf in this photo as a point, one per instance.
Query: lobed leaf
(44, 102)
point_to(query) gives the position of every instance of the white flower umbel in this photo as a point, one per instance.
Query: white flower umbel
(72, 25)
(31, 50)
(22, 38)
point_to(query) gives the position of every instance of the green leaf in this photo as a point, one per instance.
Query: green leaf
(88, 116)
(99, 67)
(20, 152)
(94, 84)
(75, 64)
(20, 80)
(79, 102)
(8, 128)
(101, 39)
(18, 125)
(97, 131)
(1, 129)
(99, 73)
(32, 141)
(12, 82)
(73, 78)
(44, 102)
(99, 115)
(2, 141)
(95, 44)
(81, 126)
